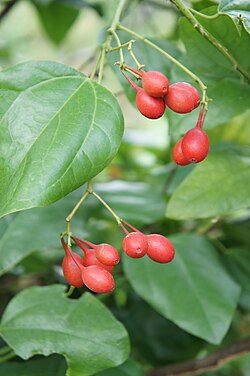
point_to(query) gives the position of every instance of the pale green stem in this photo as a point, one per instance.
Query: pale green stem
(117, 218)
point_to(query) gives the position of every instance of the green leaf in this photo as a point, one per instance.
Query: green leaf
(135, 201)
(238, 263)
(194, 291)
(130, 367)
(56, 13)
(58, 129)
(217, 186)
(239, 10)
(52, 366)
(155, 340)
(41, 320)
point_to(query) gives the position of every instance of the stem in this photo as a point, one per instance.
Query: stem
(134, 86)
(95, 67)
(196, 24)
(111, 31)
(210, 363)
(169, 57)
(133, 71)
(201, 117)
(72, 213)
(118, 219)
(122, 61)
(79, 242)
(140, 66)
(70, 291)
(8, 356)
(130, 226)
(124, 229)
(120, 46)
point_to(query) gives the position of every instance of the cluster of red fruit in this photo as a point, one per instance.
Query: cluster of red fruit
(180, 97)
(95, 269)
(155, 94)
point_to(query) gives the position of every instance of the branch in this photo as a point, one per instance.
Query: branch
(7, 8)
(210, 363)
(197, 25)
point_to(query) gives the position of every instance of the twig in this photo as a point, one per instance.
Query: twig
(209, 363)
(197, 25)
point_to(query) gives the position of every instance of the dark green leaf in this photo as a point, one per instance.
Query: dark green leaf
(52, 366)
(156, 340)
(239, 10)
(56, 18)
(194, 291)
(217, 186)
(41, 320)
(129, 368)
(238, 262)
(58, 129)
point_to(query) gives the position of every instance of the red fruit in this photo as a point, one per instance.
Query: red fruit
(178, 155)
(71, 270)
(107, 254)
(71, 266)
(98, 279)
(160, 249)
(195, 145)
(90, 259)
(182, 97)
(152, 108)
(155, 83)
(135, 244)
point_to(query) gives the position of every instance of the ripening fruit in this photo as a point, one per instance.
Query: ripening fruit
(71, 269)
(107, 254)
(98, 279)
(155, 83)
(135, 244)
(182, 97)
(178, 155)
(195, 145)
(152, 108)
(90, 259)
(160, 249)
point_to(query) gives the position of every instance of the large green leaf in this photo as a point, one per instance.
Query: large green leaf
(217, 186)
(156, 340)
(56, 13)
(41, 320)
(52, 366)
(194, 291)
(58, 129)
(239, 10)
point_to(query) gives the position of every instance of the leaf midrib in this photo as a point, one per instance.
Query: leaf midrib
(43, 130)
